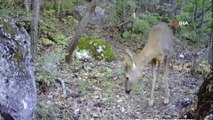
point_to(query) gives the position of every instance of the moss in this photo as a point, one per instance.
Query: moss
(18, 56)
(7, 28)
(99, 49)
(1, 37)
(46, 41)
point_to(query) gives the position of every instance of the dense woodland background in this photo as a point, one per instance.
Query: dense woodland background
(71, 88)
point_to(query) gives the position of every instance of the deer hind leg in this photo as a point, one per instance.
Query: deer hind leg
(166, 84)
(155, 74)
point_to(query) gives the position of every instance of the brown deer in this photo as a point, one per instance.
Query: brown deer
(157, 50)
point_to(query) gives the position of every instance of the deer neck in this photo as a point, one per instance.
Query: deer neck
(145, 56)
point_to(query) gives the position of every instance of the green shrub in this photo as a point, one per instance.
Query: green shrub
(48, 28)
(69, 19)
(47, 65)
(153, 19)
(126, 35)
(49, 12)
(46, 111)
(140, 26)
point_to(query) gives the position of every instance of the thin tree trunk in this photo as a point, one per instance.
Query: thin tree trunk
(171, 9)
(34, 27)
(82, 24)
(59, 8)
(195, 10)
(210, 52)
(27, 4)
(124, 15)
(203, 7)
(146, 5)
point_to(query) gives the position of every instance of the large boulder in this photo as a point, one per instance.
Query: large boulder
(99, 16)
(17, 81)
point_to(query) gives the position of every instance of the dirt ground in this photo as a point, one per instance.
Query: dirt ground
(95, 90)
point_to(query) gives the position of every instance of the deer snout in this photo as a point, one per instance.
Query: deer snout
(128, 91)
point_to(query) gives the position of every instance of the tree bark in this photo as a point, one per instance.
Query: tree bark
(210, 52)
(195, 10)
(27, 4)
(59, 8)
(82, 24)
(205, 99)
(34, 27)
(203, 7)
(124, 15)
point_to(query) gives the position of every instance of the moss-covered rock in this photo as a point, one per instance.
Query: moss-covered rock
(98, 49)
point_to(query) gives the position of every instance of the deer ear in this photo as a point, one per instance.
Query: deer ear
(128, 57)
(129, 53)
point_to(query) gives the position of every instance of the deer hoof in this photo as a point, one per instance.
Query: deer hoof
(166, 101)
(151, 102)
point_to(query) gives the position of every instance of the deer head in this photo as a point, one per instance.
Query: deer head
(132, 73)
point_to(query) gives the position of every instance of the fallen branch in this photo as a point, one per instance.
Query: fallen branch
(121, 24)
(63, 88)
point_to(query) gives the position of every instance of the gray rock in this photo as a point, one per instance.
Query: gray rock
(17, 81)
(99, 16)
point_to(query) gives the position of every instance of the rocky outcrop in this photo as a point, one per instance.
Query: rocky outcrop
(17, 82)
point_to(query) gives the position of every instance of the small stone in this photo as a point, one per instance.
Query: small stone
(122, 109)
(119, 100)
(95, 115)
(181, 56)
(76, 111)
(98, 104)
(74, 95)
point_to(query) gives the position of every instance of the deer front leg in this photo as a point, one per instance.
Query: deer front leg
(166, 84)
(154, 73)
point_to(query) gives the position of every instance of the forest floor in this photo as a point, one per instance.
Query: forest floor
(95, 89)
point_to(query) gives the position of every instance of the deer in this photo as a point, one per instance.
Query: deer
(157, 51)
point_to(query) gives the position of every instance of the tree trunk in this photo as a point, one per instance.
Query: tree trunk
(195, 11)
(203, 7)
(59, 8)
(34, 27)
(27, 5)
(205, 99)
(82, 24)
(124, 15)
(210, 52)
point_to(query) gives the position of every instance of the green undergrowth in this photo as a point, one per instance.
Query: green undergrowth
(97, 81)
(45, 111)
(47, 65)
(49, 29)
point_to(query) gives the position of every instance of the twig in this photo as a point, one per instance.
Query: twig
(63, 88)
(123, 23)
